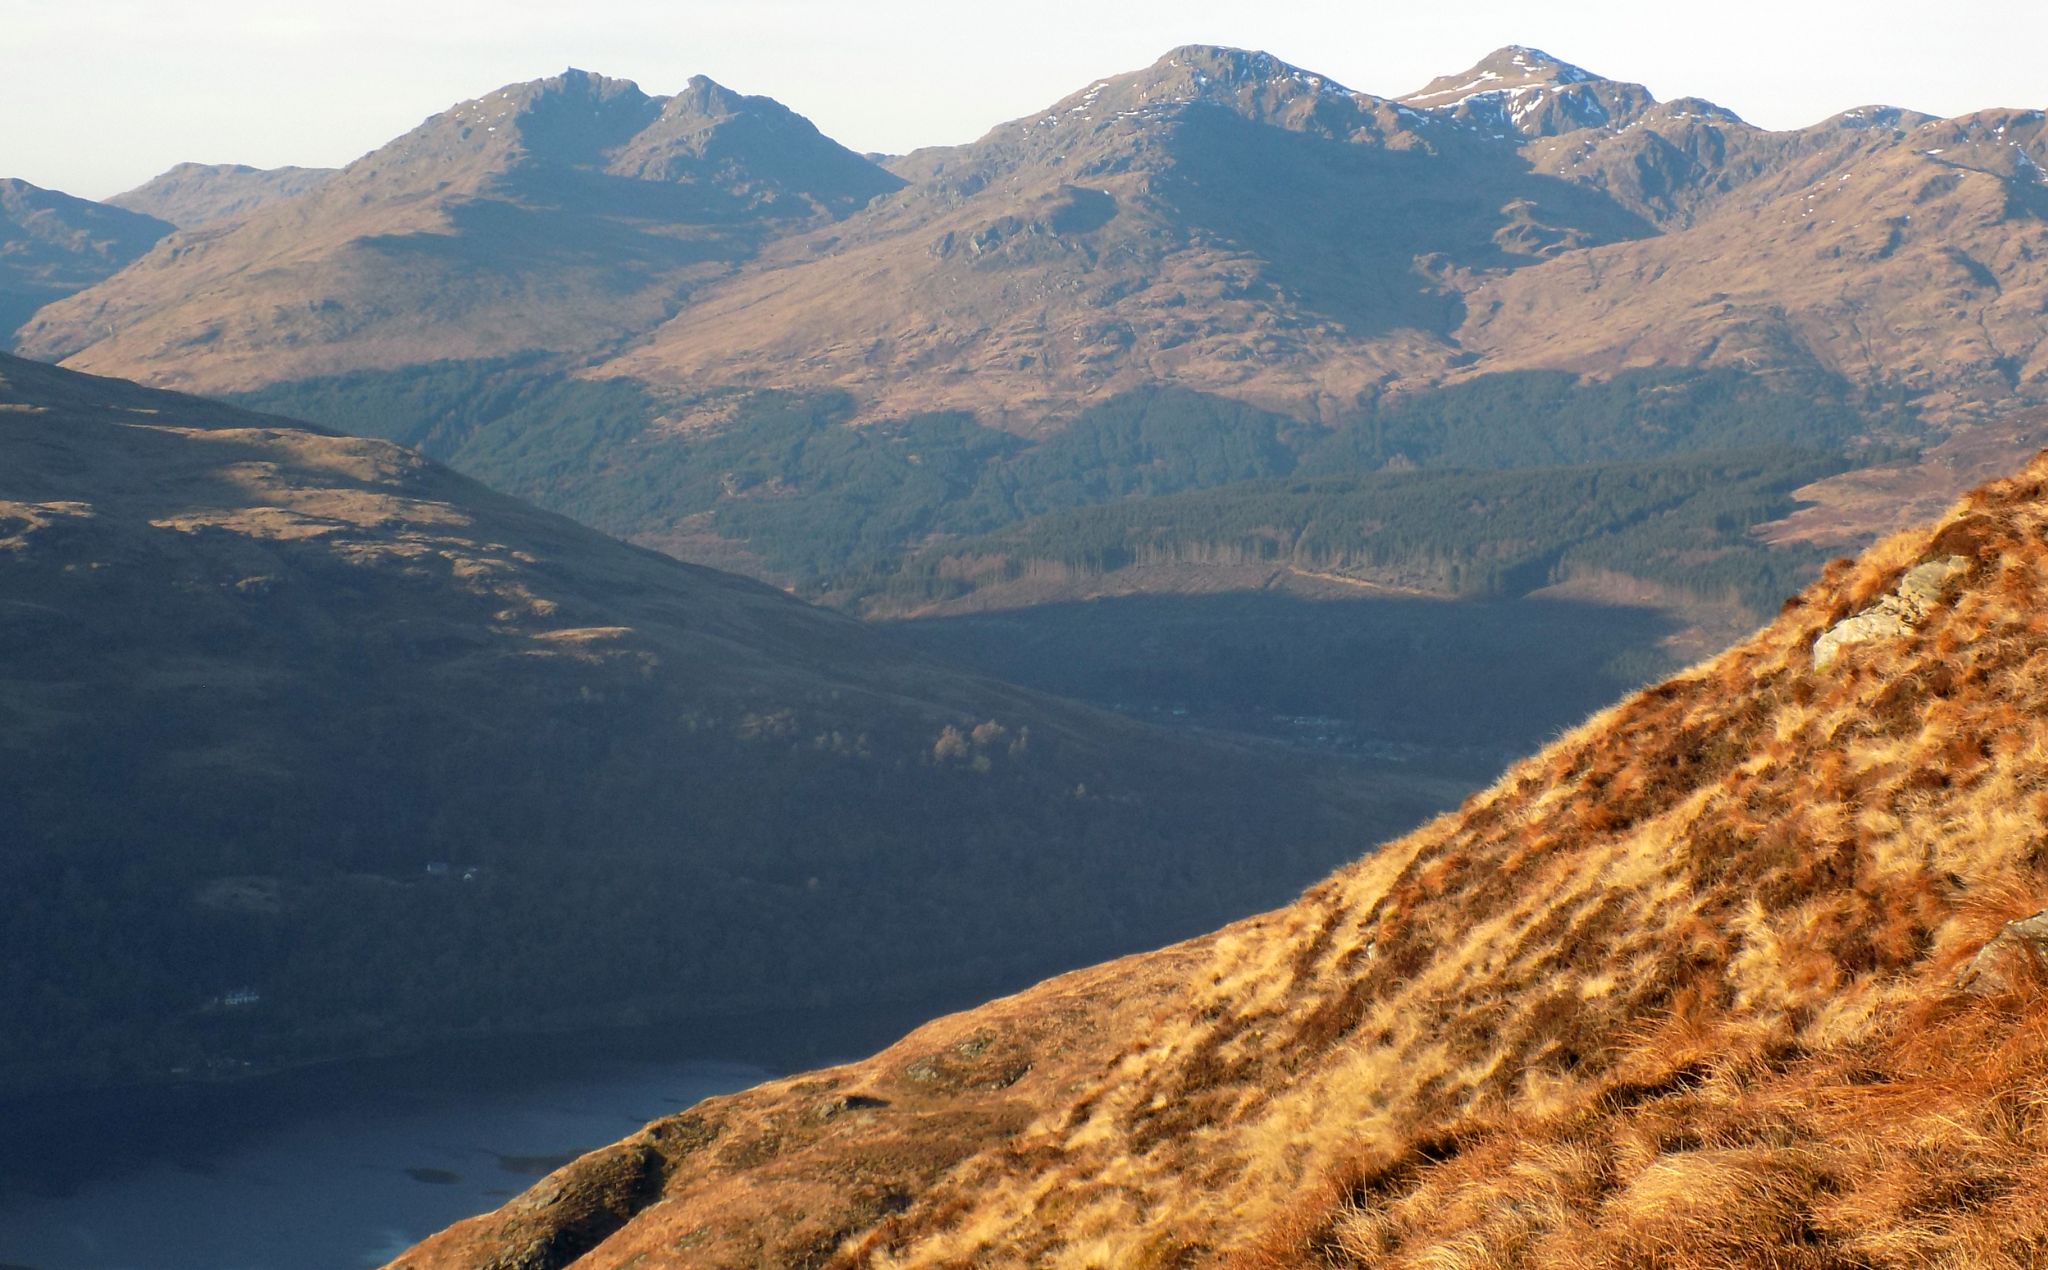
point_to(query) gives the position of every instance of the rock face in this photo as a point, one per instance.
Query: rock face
(1993, 969)
(1896, 615)
(1680, 990)
(1526, 92)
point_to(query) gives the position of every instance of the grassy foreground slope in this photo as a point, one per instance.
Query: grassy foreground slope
(311, 747)
(1722, 978)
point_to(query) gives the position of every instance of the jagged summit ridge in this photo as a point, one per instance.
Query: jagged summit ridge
(474, 235)
(706, 134)
(1503, 70)
(1523, 91)
(1250, 82)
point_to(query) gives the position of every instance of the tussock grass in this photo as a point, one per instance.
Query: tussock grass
(1679, 991)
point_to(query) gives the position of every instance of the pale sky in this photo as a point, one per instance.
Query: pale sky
(97, 96)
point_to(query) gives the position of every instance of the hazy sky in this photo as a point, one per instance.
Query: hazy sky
(98, 95)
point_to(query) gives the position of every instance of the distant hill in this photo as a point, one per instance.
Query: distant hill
(564, 215)
(192, 195)
(310, 717)
(53, 245)
(1746, 971)
(1902, 252)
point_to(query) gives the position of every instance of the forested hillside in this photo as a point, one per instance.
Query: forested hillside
(315, 748)
(884, 514)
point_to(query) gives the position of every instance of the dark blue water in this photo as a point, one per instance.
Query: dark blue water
(340, 1167)
(346, 1165)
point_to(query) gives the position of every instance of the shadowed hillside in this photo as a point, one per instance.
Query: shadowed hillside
(52, 245)
(312, 748)
(1739, 973)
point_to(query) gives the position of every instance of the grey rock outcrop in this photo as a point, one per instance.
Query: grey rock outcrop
(1896, 614)
(1991, 970)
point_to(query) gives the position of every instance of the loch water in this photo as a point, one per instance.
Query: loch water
(345, 1165)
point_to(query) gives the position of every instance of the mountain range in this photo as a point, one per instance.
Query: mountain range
(1220, 220)
(617, 305)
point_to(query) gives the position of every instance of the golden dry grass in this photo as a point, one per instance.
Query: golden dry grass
(1680, 990)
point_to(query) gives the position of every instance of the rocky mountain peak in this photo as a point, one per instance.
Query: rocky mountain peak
(706, 96)
(1504, 70)
(562, 120)
(1209, 72)
(1526, 92)
(756, 147)
(1232, 65)
(1891, 118)
(528, 136)
(578, 84)
(1534, 62)
(1253, 84)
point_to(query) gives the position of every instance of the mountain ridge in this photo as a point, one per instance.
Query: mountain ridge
(191, 195)
(1681, 180)
(1132, 234)
(561, 214)
(1220, 223)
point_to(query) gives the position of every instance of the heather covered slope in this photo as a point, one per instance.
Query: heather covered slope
(1717, 979)
(310, 716)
